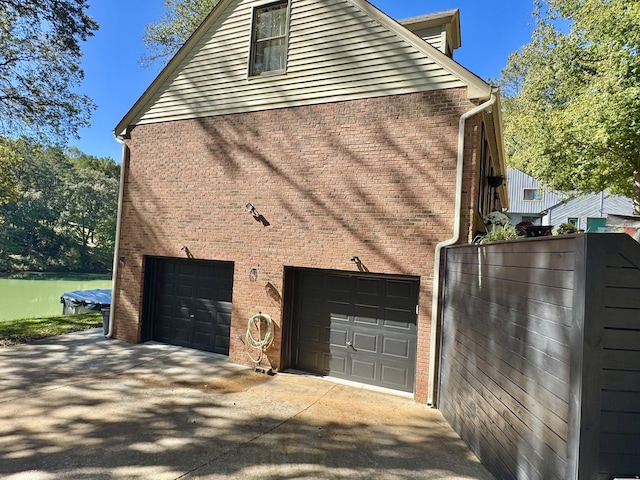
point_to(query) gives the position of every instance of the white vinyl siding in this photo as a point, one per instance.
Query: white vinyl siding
(336, 52)
(518, 182)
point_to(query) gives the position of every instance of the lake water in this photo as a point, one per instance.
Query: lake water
(27, 295)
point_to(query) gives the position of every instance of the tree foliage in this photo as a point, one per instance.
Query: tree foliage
(9, 161)
(165, 37)
(64, 214)
(39, 67)
(572, 97)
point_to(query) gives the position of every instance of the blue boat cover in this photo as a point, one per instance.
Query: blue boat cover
(88, 297)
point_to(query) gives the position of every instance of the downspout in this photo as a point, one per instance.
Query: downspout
(435, 314)
(116, 249)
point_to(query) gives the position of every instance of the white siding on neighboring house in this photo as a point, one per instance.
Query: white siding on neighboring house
(555, 208)
(337, 51)
(517, 183)
(595, 205)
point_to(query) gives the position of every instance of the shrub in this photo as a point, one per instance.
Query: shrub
(500, 234)
(566, 228)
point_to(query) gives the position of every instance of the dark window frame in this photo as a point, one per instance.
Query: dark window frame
(255, 42)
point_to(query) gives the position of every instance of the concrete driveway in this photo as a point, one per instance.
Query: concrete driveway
(81, 406)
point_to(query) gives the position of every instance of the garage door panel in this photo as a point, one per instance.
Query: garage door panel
(363, 370)
(182, 334)
(363, 342)
(310, 333)
(397, 347)
(367, 287)
(223, 318)
(311, 359)
(163, 331)
(206, 293)
(186, 291)
(400, 289)
(338, 337)
(339, 286)
(366, 314)
(311, 307)
(185, 268)
(335, 363)
(339, 310)
(208, 271)
(374, 314)
(225, 294)
(399, 319)
(394, 377)
(201, 338)
(221, 343)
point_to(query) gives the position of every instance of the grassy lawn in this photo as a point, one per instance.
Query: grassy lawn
(25, 330)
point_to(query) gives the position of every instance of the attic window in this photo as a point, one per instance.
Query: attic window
(269, 39)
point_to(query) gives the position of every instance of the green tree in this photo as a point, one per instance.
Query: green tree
(91, 202)
(64, 215)
(90, 199)
(572, 97)
(31, 220)
(39, 67)
(165, 37)
(9, 161)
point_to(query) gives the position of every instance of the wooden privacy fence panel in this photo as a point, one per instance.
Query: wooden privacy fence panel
(619, 340)
(540, 355)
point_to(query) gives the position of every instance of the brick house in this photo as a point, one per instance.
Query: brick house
(305, 160)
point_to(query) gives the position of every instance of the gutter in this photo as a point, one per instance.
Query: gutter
(116, 249)
(435, 313)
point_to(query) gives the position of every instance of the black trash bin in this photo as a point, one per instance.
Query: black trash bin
(105, 320)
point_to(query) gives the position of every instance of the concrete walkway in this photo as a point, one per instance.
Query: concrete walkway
(80, 406)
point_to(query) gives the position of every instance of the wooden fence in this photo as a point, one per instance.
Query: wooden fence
(540, 355)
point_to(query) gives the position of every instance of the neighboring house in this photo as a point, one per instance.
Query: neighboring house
(305, 160)
(589, 212)
(530, 201)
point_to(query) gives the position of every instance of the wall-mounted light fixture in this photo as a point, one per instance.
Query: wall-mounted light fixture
(253, 274)
(359, 264)
(256, 215)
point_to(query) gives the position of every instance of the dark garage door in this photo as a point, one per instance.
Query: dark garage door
(357, 327)
(189, 302)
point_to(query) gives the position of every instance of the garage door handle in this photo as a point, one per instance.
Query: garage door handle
(191, 316)
(349, 344)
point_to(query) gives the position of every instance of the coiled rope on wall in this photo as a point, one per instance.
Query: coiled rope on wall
(259, 335)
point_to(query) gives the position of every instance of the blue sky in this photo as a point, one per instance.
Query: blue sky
(114, 78)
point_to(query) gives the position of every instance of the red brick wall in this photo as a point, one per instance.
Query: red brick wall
(373, 178)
